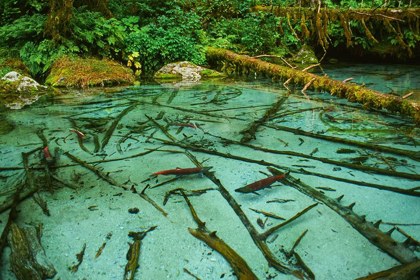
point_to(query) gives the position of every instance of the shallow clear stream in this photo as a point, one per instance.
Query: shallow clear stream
(327, 143)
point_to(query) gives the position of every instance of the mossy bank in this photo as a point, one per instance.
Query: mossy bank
(71, 71)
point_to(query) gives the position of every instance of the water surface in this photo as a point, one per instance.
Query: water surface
(240, 128)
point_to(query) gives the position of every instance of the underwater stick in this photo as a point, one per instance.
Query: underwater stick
(300, 170)
(114, 124)
(238, 264)
(249, 133)
(369, 230)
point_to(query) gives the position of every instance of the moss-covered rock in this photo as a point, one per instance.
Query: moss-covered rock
(305, 56)
(14, 82)
(185, 70)
(85, 72)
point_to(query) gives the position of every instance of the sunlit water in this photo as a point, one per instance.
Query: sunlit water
(134, 132)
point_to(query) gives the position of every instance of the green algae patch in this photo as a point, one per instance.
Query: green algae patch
(5, 126)
(87, 72)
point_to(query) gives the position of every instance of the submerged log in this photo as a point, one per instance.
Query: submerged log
(354, 93)
(409, 271)
(28, 259)
(370, 231)
(238, 264)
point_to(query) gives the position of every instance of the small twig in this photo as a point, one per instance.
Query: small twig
(164, 182)
(190, 273)
(310, 67)
(276, 56)
(407, 95)
(292, 251)
(69, 185)
(347, 80)
(79, 259)
(263, 236)
(267, 214)
(388, 163)
(307, 86)
(148, 199)
(286, 82)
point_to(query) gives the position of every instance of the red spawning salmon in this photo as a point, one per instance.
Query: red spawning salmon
(183, 171)
(47, 155)
(80, 134)
(256, 186)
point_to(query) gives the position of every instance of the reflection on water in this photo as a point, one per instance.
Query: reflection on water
(99, 190)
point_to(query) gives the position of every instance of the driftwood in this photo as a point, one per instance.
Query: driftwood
(370, 230)
(133, 253)
(355, 93)
(409, 271)
(114, 124)
(392, 150)
(79, 257)
(354, 166)
(294, 266)
(111, 181)
(249, 133)
(28, 259)
(238, 264)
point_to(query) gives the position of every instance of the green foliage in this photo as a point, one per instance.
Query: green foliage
(93, 34)
(11, 10)
(258, 33)
(8, 11)
(252, 33)
(172, 38)
(152, 33)
(16, 34)
(39, 57)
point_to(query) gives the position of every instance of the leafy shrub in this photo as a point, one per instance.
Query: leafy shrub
(172, 38)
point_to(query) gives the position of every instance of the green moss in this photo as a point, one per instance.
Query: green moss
(79, 72)
(167, 76)
(208, 73)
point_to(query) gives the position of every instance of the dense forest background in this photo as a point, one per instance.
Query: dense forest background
(146, 34)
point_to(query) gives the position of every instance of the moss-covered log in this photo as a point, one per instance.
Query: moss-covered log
(398, 14)
(354, 93)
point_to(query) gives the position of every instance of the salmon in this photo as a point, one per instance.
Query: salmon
(47, 155)
(261, 184)
(182, 171)
(81, 135)
(185, 124)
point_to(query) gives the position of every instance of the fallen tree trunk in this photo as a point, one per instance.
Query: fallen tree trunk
(217, 58)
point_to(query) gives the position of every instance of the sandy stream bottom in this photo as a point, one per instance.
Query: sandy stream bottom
(98, 212)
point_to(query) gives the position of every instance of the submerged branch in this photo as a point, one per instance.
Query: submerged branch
(249, 133)
(114, 124)
(369, 230)
(300, 170)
